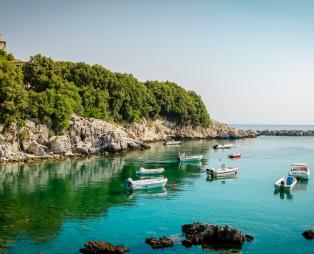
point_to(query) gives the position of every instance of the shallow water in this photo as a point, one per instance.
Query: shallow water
(57, 207)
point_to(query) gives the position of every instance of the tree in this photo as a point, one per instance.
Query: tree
(13, 96)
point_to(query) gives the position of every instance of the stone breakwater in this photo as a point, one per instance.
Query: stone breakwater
(286, 133)
(88, 136)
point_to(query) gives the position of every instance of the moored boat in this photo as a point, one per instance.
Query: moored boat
(151, 171)
(285, 183)
(300, 171)
(222, 172)
(222, 146)
(147, 183)
(234, 155)
(183, 157)
(172, 142)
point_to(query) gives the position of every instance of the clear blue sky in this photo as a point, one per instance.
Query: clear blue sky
(251, 61)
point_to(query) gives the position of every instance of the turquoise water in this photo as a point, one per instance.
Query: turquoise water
(262, 127)
(57, 207)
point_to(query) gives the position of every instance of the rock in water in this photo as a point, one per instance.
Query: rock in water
(308, 234)
(158, 243)
(249, 238)
(214, 236)
(100, 247)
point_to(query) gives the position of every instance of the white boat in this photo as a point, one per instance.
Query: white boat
(300, 171)
(182, 157)
(147, 183)
(222, 146)
(172, 142)
(151, 171)
(285, 183)
(222, 172)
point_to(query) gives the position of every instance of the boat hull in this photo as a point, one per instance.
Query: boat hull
(156, 171)
(279, 186)
(222, 173)
(300, 171)
(147, 184)
(227, 146)
(172, 143)
(234, 156)
(300, 176)
(191, 158)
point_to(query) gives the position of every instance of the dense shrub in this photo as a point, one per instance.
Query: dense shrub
(51, 91)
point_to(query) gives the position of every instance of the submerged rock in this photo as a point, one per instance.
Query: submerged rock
(308, 234)
(209, 235)
(158, 243)
(249, 238)
(101, 247)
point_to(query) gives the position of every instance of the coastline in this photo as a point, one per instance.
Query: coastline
(88, 136)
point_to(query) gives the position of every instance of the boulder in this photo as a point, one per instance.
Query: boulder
(60, 144)
(308, 234)
(157, 243)
(36, 149)
(101, 247)
(214, 236)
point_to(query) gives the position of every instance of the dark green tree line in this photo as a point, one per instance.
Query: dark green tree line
(52, 91)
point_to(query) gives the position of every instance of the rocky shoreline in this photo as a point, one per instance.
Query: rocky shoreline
(285, 133)
(88, 136)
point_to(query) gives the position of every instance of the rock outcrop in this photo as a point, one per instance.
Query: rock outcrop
(157, 243)
(212, 236)
(308, 234)
(99, 247)
(286, 132)
(87, 136)
(163, 130)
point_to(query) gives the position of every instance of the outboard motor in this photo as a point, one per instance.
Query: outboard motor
(282, 185)
(210, 172)
(129, 182)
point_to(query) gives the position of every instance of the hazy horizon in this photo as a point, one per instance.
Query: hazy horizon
(252, 62)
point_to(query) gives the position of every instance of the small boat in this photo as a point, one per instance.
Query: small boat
(300, 171)
(285, 183)
(172, 142)
(151, 171)
(234, 155)
(222, 172)
(147, 183)
(222, 146)
(182, 157)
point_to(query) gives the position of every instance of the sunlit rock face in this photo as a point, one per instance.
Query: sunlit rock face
(162, 130)
(86, 136)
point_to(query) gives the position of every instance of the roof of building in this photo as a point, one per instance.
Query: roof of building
(1, 38)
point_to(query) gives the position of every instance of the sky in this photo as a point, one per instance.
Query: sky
(251, 61)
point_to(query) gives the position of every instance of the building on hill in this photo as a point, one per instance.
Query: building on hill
(3, 43)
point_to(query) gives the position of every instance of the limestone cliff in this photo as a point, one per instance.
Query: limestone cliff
(86, 136)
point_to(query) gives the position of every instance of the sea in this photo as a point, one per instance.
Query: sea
(55, 207)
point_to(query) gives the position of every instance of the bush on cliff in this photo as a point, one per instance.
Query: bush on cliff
(51, 91)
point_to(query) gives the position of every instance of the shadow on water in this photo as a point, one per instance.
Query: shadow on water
(36, 199)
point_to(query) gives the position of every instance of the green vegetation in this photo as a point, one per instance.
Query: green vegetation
(52, 91)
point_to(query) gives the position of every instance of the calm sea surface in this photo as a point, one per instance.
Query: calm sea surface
(57, 207)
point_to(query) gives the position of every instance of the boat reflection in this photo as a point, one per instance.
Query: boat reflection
(284, 194)
(300, 186)
(191, 164)
(149, 193)
(222, 179)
